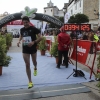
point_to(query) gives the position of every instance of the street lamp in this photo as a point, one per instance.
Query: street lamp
(64, 10)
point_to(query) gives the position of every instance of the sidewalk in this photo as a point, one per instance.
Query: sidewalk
(94, 95)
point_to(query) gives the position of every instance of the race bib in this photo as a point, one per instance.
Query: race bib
(26, 40)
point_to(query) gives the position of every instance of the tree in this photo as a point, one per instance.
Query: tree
(61, 19)
(78, 18)
(72, 19)
(52, 25)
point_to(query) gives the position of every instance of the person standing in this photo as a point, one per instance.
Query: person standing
(63, 47)
(91, 38)
(85, 36)
(29, 42)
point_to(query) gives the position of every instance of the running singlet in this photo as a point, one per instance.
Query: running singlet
(29, 35)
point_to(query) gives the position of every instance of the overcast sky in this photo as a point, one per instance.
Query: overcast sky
(13, 6)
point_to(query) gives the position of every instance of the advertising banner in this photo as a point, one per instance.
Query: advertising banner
(98, 46)
(83, 48)
(48, 44)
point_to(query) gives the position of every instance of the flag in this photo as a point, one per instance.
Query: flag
(66, 17)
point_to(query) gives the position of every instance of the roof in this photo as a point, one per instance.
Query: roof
(51, 7)
(70, 1)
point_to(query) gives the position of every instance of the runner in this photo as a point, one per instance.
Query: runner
(29, 42)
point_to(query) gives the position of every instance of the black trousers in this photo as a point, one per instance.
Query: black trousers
(60, 54)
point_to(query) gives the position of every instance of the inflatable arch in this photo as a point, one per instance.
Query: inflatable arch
(38, 16)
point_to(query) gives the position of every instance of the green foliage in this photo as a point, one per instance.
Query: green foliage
(51, 25)
(54, 48)
(2, 44)
(7, 61)
(78, 18)
(42, 44)
(61, 19)
(4, 59)
(72, 20)
(8, 39)
(98, 59)
(98, 77)
(98, 67)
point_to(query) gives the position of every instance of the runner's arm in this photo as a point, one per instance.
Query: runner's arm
(20, 38)
(39, 38)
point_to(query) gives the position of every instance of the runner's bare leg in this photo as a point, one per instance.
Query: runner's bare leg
(27, 62)
(34, 57)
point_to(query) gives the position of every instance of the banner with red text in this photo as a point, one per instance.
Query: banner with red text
(83, 48)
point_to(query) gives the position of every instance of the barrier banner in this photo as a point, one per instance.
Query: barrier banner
(50, 38)
(48, 43)
(83, 48)
(98, 46)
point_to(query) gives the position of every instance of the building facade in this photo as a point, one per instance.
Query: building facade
(86, 7)
(53, 10)
(75, 7)
(3, 15)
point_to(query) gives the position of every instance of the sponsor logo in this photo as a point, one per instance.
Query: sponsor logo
(17, 22)
(52, 20)
(80, 49)
(6, 19)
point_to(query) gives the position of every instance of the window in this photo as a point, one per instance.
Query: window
(45, 10)
(76, 7)
(71, 12)
(51, 10)
(80, 3)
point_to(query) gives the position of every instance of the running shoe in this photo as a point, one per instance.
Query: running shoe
(35, 72)
(30, 85)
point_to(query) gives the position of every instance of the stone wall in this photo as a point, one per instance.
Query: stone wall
(88, 8)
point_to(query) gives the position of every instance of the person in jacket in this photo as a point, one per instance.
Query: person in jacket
(63, 47)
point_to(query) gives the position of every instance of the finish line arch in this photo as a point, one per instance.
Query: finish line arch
(38, 16)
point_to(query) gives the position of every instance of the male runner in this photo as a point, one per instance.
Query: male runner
(29, 42)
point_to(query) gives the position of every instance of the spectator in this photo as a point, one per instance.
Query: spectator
(63, 47)
(85, 36)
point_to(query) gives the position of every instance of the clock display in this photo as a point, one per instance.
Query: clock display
(78, 27)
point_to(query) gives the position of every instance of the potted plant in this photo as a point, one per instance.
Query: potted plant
(42, 46)
(4, 59)
(54, 49)
(11, 38)
(98, 65)
(98, 74)
(8, 40)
